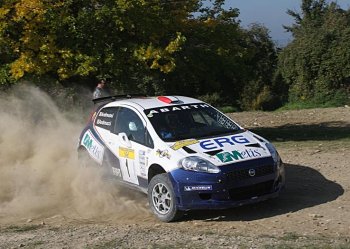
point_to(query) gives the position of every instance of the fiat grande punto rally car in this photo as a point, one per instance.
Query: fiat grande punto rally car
(182, 152)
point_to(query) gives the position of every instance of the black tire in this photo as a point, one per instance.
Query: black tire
(161, 198)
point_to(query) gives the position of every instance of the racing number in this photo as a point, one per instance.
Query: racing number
(127, 156)
(127, 167)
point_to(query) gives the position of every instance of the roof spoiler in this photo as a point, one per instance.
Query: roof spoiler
(116, 97)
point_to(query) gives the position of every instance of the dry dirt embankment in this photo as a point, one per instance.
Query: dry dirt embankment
(43, 204)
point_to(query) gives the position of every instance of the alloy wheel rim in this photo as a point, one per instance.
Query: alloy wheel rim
(161, 198)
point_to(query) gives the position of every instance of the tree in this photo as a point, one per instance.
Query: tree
(81, 38)
(316, 63)
(155, 46)
(220, 61)
(262, 62)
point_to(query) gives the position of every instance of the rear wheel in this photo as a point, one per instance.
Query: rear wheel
(162, 199)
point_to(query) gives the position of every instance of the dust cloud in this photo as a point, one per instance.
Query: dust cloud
(40, 176)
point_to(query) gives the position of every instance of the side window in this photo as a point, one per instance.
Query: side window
(131, 124)
(106, 117)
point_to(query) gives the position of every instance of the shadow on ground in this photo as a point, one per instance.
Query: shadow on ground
(305, 187)
(295, 132)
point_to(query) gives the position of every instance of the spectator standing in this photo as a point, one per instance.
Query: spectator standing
(100, 90)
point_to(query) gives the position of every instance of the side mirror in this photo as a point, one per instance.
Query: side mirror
(125, 141)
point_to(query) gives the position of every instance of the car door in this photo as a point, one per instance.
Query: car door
(132, 144)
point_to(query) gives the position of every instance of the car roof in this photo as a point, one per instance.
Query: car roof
(154, 102)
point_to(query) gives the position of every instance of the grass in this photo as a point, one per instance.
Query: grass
(310, 105)
(301, 106)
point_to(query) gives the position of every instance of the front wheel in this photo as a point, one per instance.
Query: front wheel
(161, 198)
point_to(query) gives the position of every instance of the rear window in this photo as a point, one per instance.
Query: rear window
(106, 117)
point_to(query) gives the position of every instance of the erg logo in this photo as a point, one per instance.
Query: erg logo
(215, 143)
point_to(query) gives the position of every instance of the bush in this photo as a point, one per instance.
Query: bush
(228, 109)
(254, 99)
(5, 77)
(335, 99)
(213, 99)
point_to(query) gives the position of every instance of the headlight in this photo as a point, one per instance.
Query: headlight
(198, 164)
(274, 153)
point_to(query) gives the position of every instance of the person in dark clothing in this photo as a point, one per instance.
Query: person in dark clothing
(100, 90)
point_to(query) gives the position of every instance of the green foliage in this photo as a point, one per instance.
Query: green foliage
(211, 98)
(257, 92)
(336, 99)
(228, 109)
(88, 38)
(5, 77)
(155, 47)
(316, 64)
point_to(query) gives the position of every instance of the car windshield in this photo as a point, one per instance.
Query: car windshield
(189, 121)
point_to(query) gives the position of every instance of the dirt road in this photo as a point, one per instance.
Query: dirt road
(312, 212)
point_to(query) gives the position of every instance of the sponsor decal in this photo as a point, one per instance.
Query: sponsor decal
(216, 143)
(163, 153)
(116, 172)
(94, 148)
(226, 122)
(198, 188)
(151, 112)
(142, 162)
(106, 115)
(180, 144)
(238, 155)
(126, 153)
(105, 118)
(102, 122)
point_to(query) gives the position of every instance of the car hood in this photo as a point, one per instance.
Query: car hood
(223, 150)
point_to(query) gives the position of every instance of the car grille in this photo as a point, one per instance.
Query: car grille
(250, 191)
(241, 174)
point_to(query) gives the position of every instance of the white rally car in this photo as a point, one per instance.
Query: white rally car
(182, 152)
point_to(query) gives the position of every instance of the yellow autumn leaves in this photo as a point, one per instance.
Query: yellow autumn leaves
(34, 31)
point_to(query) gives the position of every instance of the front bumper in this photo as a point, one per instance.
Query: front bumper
(232, 187)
